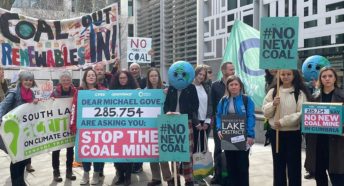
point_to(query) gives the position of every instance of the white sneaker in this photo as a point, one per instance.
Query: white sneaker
(85, 178)
(95, 178)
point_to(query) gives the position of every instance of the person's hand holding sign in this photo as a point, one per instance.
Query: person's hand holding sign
(220, 134)
(276, 101)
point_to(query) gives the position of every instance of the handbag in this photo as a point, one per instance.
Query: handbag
(202, 161)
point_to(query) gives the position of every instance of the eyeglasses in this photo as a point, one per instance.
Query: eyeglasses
(210, 72)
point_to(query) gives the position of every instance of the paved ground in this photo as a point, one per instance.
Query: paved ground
(260, 170)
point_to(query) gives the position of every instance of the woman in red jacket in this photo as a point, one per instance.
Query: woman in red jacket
(89, 82)
(64, 89)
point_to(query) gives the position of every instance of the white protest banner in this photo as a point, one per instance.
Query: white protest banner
(34, 42)
(32, 129)
(139, 50)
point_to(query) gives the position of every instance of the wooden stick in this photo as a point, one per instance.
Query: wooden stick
(175, 173)
(277, 114)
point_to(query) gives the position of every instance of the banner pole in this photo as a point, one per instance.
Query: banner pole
(175, 173)
(277, 115)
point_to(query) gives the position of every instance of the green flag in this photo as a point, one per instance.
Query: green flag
(243, 51)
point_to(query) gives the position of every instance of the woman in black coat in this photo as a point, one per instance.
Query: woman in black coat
(325, 152)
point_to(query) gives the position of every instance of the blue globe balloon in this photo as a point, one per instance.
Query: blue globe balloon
(312, 65)
(181, 74)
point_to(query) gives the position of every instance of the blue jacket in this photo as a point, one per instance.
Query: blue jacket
(239, 107)
(11, 101)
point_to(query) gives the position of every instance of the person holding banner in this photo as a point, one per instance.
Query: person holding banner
(217, 91)
(64, 89)
(326, 152)
(154, 82)
(123, 80)
(21, 94)
(234, 102)
(293, 93)
(89, 82)
(184, 101)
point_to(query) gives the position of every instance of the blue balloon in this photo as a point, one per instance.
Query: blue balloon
(312, 65)
(181, 74)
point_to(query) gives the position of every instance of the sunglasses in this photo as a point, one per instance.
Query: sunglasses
(210, 72)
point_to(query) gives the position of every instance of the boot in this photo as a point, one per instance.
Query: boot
(70, 175)
(85, 178)
(57, 175)
(95, 178)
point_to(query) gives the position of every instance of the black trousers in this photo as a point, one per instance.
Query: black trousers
(17, 172)
(200, 133)
(322, 164)
(69, 161)
(288, 158)
(217, 155)
(124, 170)
(237, 167)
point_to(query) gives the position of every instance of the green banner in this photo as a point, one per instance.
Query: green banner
(243, 51)
(279, 42)
(173, 138)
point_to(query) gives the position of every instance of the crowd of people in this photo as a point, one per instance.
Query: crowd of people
(205, 102)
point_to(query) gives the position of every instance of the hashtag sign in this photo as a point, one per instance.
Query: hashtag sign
(163, 129)
(267, 33)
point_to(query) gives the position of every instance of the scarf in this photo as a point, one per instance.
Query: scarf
(26, 94)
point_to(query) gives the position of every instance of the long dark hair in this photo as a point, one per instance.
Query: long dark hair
(298, 83)
(131, 84)
(149, 84)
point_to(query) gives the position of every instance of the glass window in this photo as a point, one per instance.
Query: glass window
(318, 41)
(248, 19)
(130, 30)
(305, 11)
(230, 17)
(339, 18)
(229, 28)
(286, 10)
(328, 20)
(315, 6)
(309, 24)
(245, 2)
(232, 4)
(339, 38)
(294, 7)
(130, 8)
(334, 6)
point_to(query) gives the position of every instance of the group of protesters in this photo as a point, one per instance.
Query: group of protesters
(205, 102)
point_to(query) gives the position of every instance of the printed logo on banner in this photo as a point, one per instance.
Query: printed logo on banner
(118, 125)
(30, 130)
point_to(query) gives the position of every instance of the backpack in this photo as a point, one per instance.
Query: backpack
(244, 98)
